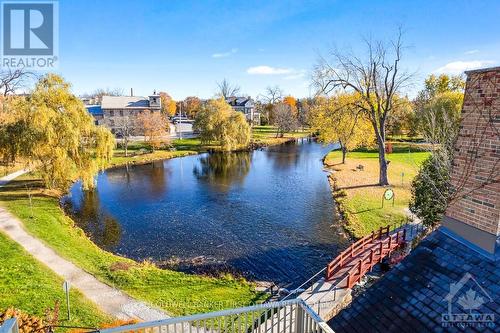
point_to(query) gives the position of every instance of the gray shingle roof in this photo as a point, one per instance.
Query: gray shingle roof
(124, 102)
(411, 297)
(239, 101)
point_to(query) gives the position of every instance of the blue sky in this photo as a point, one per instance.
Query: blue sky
(185, 47)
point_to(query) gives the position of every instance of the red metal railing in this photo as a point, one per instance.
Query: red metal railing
(366, 252)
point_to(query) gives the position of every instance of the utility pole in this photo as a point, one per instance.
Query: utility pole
(180, 121)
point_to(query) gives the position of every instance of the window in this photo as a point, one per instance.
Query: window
(111, 113)
(121, 113)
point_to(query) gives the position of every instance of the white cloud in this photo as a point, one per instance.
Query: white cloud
(471, 52)
(297, 75)
(458, 67)
(224, 54)
(268, 70)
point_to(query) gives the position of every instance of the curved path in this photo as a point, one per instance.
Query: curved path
(109, 299)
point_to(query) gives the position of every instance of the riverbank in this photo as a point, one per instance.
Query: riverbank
(262, 136)
(357, 196)
(139, 153)
(177, 293)
(172, 202)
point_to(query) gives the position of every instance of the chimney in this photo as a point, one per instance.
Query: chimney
(131, 92)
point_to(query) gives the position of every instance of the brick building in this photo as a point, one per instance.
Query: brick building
(473, 214)
(115, 111)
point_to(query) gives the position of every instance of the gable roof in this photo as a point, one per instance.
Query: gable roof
(124, 102)
(239, 101)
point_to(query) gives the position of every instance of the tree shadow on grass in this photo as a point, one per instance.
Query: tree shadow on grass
(358, 186)
(365, 210)
(18, 189)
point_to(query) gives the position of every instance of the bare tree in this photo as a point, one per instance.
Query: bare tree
(98, 93)
(284, 119)
(377, 78)
(14, 80)
(272, 94)
(123, 128)
(226, 89)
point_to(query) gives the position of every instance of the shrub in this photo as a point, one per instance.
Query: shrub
(431, 189)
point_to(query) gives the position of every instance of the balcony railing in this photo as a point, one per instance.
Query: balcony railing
(293, 316)
(9, 326)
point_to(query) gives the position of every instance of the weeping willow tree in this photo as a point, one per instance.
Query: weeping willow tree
(217, 122)
(54, 132)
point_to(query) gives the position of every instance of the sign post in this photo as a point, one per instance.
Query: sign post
(388, 195)
(66, 287)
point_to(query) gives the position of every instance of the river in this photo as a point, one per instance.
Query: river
(266, 214)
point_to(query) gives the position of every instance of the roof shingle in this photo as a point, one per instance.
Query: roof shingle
(411, 297)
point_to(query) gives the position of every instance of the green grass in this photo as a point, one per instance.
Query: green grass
(119, 157)
(175, 292)
(29, 285)
(266, 135)
(139, 153)
(263, 135)
(364, 197)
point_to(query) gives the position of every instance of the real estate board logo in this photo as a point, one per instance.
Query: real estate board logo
(29, 34)
(467, 302)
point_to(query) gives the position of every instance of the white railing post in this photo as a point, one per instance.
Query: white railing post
(299, 319)
(10, 326)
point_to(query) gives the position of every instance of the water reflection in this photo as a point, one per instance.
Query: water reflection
(222, 170)
(267, 214)
(103, 228)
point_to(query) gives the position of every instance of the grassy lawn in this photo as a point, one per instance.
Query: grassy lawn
(175, 292)
(29, 285)
(261, 135)
(138, 152)
(364, 197)
(266, 135)
(119, 157)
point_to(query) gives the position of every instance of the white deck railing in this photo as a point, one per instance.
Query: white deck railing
(9, 326)
(293, 316)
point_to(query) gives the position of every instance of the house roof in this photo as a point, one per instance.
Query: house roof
(413, 296)
(239, 101)
(124, 102)
(94, 110)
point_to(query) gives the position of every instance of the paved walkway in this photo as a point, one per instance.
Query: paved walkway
(109, 299)
(4, 180)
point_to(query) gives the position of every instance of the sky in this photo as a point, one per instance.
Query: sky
(186, 47)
